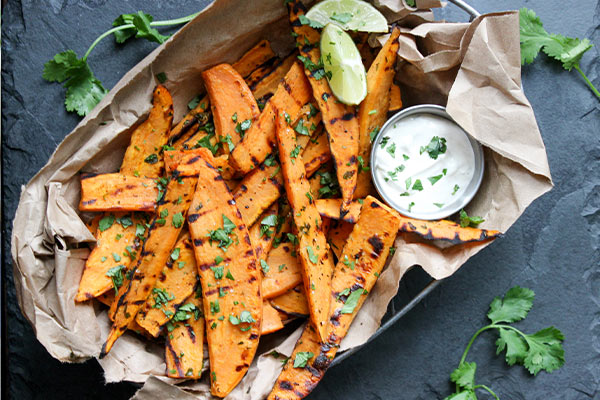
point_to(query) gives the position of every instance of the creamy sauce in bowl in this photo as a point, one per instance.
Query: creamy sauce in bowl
(425, 165)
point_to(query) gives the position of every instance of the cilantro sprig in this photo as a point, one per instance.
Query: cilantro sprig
(84, 90)
(568, 51)
(540, 351)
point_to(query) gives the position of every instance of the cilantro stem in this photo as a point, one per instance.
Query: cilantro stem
(176, 21)
(585, 78)
(485, 328)
(490, 391)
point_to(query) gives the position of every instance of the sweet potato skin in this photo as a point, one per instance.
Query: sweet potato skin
(113, 248)
(231, 101)
(340, 120)
(260, 140)
(373, 110)
(313, 249)
(161, 237)
(292, 302)
(142, 157)
(184, 345)
(230, 283)
(271, 320)
(368, 248)
(445, 230)
(117, 192)
(284, 271)
(178, 279)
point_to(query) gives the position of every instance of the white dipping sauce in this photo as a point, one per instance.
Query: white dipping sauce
(401, 163)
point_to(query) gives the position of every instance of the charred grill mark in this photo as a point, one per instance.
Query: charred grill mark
(377, 244)
(243, 189)
(87, 203)
(287, 87)
(374, 205)
(218, 178)
(205, 266)
(348, 116)
(411, 226)
(216, 290)
(231, 202)
(193, 160)
(193, 217)
(139, 302)
(197, 242)
(335, 318)
(286, 385)
(191, 333)
(253, 336)
(187, 245)
(88, 175)
(175, 359)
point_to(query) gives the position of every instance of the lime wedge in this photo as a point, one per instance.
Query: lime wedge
(343, 65)
(354, 15)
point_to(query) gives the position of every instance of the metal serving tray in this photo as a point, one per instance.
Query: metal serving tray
(399, 306)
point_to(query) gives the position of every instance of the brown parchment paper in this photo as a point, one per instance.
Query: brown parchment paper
(474, 69)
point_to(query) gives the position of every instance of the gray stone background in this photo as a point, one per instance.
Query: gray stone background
(553, 249)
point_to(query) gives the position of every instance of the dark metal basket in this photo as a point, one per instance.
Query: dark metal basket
(399, 306)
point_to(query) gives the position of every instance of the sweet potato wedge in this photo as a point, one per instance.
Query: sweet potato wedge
(316, 154)
(338, 236)
(262, 233)
(268, 82)
(292, 302)
(189, 123)
(253, 58)
(116, 247)
(233, 106)
(271, 320)
(330, 208)
(175, 284)
(313, 250)
(260, 140)
(340, 120)
(445, 230)
(162, 235)
(221, 163)
(92, 225)
(395, 99)
(373, 110)
(142, 157)
(284, 271)
(258, 190)
(184, 344)
(116, 192)
(355, 275)
(230, 277)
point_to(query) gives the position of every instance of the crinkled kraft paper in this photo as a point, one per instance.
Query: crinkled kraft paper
(473, 69)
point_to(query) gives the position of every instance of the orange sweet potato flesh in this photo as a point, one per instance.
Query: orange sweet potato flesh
(316, 154)
(177, 279)
(284, 271)
(221, 163)
(330, 208)
(313, 250)
(445, 230)
(161, 237)
(231, 101)
(257, 191)
(268, 82)
(292, 302)
(259, 141)
(230, 283)
(142, 157)
(271, 320)
(340, 120)
(113, 247)
(189, 123)
(184, 345)
(373, 110)
(253, 58)
(338, 236)
(368, 248)
(263, 240)
(117, 192)
(395, 99)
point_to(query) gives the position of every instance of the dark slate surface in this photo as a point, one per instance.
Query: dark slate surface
(553, 248)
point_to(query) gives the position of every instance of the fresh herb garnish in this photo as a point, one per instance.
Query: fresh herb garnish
(116, 275)
(391, 149)
(456, 187)
(434, 179)
(351, 302)
(466, 221)
(264, 266)
(311, 255)
(436, 146)
(106, 222)
(302, 358)
(541, 351)
(417, 185)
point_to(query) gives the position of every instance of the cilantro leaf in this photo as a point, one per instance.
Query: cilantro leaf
(464, 375)
(351, 302)
(435, 147)
(545, 351)
(106, 222)
(306, 21)
(142, 21)
(311, 255)
(514, 344)
(466, 221)
(122, 35)
(464, 395)
(84, 91)
(302, 358)
(513, 307)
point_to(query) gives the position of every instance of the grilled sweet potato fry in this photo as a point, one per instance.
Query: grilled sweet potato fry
(395, 99)
(292, 302)
(313, 250)
(284, 271)
(230, 278)
(184, 345)
(355, 275)
(260, 140)
(253, 58)
(175, 283)
(156, 250)
(116, 192)
(268, 83)
(330, 208)
(340, 120)
(262, 233)
(116, 248)
(373, 110)
(257, 191)
(445, 230)
(233, 106)
(271, 320)
(338, 236)
(316, 154)
(189, 123)
(142, 157)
